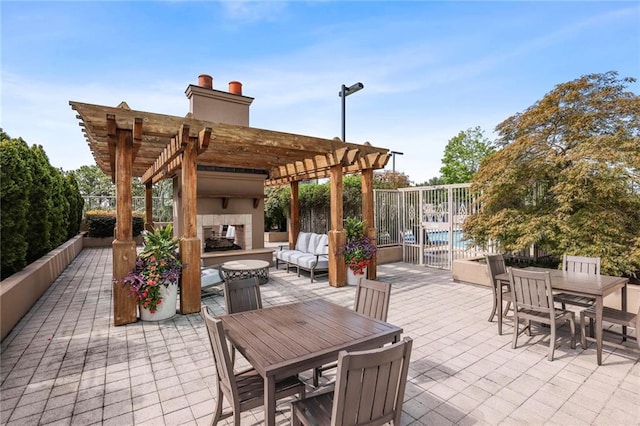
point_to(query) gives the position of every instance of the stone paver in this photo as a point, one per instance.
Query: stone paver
(65, 362)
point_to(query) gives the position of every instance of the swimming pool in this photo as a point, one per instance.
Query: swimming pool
(442, 237)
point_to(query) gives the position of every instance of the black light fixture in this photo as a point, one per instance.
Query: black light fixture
(344, 92)
(394, 153)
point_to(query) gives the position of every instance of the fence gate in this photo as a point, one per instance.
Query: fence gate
(432, 224)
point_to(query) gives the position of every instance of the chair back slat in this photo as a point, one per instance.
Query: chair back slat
(370, 385)
(581, 264)
(531, 290)
(372, 298)
(221, 355)
(242, 295)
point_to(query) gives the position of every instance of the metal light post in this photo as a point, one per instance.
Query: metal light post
(344, 92)
(393, 153)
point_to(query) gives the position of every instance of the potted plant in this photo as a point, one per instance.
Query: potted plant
(358, 251)
(154, 279)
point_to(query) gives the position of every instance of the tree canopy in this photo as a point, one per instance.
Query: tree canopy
(567, 177)
(463, 154)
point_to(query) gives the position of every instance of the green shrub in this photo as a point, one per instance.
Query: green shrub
(102, 223)
(15, 175)
(40, 206)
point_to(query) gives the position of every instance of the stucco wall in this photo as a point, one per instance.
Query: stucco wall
(222, 183)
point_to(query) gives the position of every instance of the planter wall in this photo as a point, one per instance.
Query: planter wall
(276, 237)
(471, 271)
(20, 291)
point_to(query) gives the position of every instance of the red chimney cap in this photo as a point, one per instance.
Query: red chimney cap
(206, 81)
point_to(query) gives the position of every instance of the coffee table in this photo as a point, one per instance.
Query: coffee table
(241, 269)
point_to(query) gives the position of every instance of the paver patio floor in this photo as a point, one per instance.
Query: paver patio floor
(66, 363)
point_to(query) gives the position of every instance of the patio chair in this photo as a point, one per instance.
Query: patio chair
(242, 295)
(580, 265)
(501, 288)
(239, 296)
(243, 389)
(372, 300)
(533, 300)
(613, 316)
(369, 389)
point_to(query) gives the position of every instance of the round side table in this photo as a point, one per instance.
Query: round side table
(241, 269)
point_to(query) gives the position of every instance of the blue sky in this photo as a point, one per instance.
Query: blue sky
(430, 68)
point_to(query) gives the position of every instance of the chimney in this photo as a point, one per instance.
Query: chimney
(208, 104)
(206, 81)
(235, 87)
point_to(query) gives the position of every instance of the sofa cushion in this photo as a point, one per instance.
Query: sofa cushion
(284, 255)
(303, 242)
(307, 261)
(322, 244)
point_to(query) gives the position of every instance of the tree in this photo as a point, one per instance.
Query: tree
(463, 154)
(567, 178)
(93, 181)
(40, 205)
(436, 180)
(16, 177)
(390, 180)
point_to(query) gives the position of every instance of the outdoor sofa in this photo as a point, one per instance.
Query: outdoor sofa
(311, 253)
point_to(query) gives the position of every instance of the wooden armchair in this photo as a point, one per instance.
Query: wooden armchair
(501, 289)
(239, 296)
(372, 299)
(578, 265)
(369, 390)
(533, 300)
(243, 389)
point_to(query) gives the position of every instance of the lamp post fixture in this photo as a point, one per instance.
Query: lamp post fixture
(344, 92)
(393, 153)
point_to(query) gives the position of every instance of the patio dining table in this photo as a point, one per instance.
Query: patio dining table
(284, 340)
(596, 286)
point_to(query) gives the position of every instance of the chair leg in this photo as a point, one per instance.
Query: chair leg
(506, 310)
(500, 314)
(552, 343)
(591, 327)
(516, 331)
(218, 412)
(311, 273)
(495, 303)
(572, 327)
(316, 376)
(583, 332)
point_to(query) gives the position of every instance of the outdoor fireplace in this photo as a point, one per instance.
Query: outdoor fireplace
(225, 232)
(223, 238)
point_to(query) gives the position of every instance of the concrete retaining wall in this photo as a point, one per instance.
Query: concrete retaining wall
(20, 291)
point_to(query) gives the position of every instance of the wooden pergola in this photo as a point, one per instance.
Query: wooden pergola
(127, 143)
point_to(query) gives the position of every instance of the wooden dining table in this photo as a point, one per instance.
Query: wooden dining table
(284, 340)
(590, 285)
